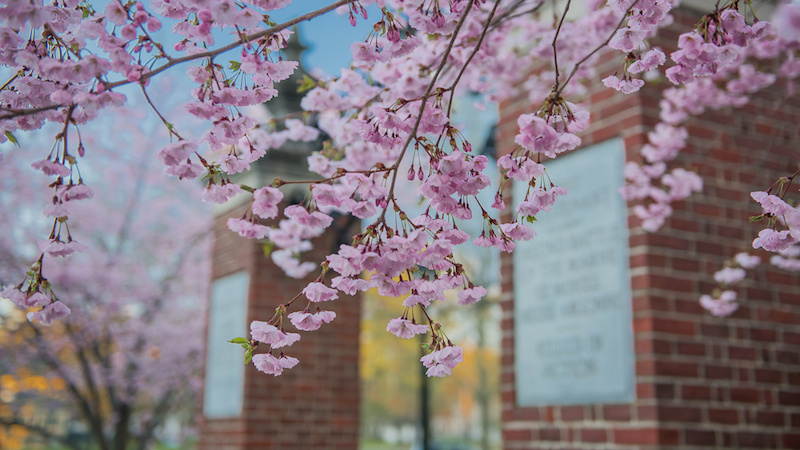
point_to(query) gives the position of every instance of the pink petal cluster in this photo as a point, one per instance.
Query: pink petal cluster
(440, 363)
(247, 228)
(406, 329)
(52, 311)
(24, 299)
(318, 292)
(55, 247)
(269, 334)
(723, 306)
(307, 321)
(267, 363)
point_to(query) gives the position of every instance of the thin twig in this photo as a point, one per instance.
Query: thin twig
(555, 38)
(472, 55)
(597, 49)
(207, 54)
(412, 134)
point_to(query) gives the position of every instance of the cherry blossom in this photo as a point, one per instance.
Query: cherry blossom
(387, 142)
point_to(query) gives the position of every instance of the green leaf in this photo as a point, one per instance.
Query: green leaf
(235, 65)
(426, 346)
(530, 219)
(248, 356)
(239, 340)
(13, 139)
(306, 84)
(268, 248)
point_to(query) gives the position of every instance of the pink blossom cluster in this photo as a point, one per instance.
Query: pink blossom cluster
(714, 72)
(723, 302)
(389, 113)
(782, 232)
(35, 291)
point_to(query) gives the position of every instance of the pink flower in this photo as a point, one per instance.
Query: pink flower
(271, 365)
(265, 202)
(116, 13)
(220, 193)
(747, 261)
(440, 363)
(648, 62)
(302, 216)
(350, 285)
(404, 328)
(55, 210)
(50, 168)
(306, 321)
(23, 299)
(269, 334)
(729, 275)
(772, 204)
(787, 21)
(291, 265)
(177, 152)
(773, 241)
(318, 292)
(49, 313)
(626, 40)
(366, 52)
(185, 170)
(55, 247)
(248, 229)
(518, 231)
(536, 135)
(723, 306)
(298, 131)
(471, 295)
(626, 86)
(72, 192)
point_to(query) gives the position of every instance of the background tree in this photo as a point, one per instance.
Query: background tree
(130, 356)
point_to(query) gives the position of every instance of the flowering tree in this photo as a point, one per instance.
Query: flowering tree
(126, 358)
(388, 122)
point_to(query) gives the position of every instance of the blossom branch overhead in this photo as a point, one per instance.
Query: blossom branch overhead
(390, 112)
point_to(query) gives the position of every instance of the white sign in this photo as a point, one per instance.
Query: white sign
(573, 327)
(224, 384)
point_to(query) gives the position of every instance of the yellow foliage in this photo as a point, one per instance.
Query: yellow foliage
(13, 437)
(36, 382)
(58, 384)
(8, 382)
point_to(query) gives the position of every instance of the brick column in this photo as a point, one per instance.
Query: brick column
(701, 381)
(314, 405)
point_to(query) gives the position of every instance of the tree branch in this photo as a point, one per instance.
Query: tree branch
(207, 54)
(412, 134)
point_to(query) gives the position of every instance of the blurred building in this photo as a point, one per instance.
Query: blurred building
(628, 358)
(316, 404)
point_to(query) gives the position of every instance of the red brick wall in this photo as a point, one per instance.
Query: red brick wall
(314, 405)
(701, 381)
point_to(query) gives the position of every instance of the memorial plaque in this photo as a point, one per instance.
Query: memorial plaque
(224, 384)
(573, 327)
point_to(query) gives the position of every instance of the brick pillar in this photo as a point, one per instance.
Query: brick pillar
(314, 405)
(700, 381)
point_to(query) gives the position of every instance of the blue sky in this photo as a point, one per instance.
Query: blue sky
(328, 37)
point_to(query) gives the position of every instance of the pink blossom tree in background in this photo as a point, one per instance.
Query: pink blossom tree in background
(388, 127)
(129, 356)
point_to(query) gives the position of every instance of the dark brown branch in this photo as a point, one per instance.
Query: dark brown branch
(597, 49)
(471, 55)
(72, 388)
(207, 54)
(412, 134)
